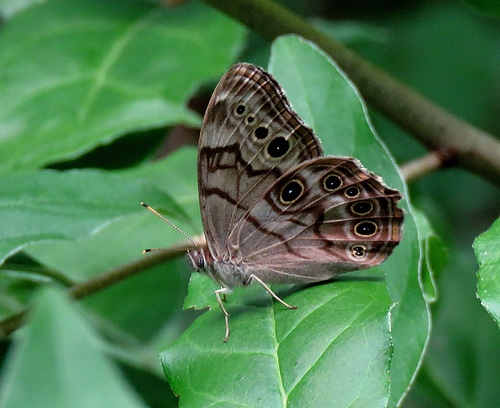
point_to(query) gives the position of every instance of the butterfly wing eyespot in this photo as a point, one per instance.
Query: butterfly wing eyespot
(358, 251)
(332, 182)
(278, 147)
(362, 208)
(291, 192)
(239, 110)
(351, 192)
(365, 229)
(261, 132)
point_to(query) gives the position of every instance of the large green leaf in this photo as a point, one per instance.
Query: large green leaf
(138, 229)
(58, 362)
(76, 74)
(487, 247)
(334, 350)
(339, 118)
(51, 205)
(256, 357)
(462, 360)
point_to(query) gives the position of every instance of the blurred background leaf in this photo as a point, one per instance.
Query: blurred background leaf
(120, 63)
(61, 362)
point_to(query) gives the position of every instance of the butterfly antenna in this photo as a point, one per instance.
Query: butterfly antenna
(168, 222)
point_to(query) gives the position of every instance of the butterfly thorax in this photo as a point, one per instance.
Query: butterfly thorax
(225, 272)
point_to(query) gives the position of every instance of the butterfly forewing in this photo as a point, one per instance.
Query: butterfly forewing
(250, 137)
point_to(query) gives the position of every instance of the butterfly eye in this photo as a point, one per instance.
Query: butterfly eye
(365, 228)
(278, 147)
(358, 251)
(351, 192)
(362, 208)
(261, 132)
(291, 192)
(332, 182)
(240, 110)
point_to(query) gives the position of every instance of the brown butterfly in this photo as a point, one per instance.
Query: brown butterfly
(274, 209)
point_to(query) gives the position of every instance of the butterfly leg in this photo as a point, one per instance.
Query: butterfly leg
(218, 292)
(268, 289)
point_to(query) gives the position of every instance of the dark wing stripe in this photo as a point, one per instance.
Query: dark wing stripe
(258, 225)
(233, 149)
(222, 194)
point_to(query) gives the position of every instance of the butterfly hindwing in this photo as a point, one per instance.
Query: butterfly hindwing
(324, 217)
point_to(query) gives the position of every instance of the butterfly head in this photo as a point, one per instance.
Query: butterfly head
(197, 259)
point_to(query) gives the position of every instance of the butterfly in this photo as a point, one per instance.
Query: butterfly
(274, 208)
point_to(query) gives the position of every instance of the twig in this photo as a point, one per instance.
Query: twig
(424, 165)
(475, 150)
(118, 274)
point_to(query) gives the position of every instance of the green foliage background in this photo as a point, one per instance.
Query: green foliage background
(90, 92)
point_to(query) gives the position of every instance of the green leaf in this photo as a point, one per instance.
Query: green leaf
(58, 362)
(336, 348)
(326, 101)
(491, 7)
(157, 294)
(201, 293)
(487, 248)
(137, 230)
(75, 74)
(462, 358)
(16, 289)
(434, 254)
(463, 351)
(177, 176)
(50, 205)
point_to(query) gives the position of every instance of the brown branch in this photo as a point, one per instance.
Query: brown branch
(475, 150)
(426, 164)
(118, 274)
